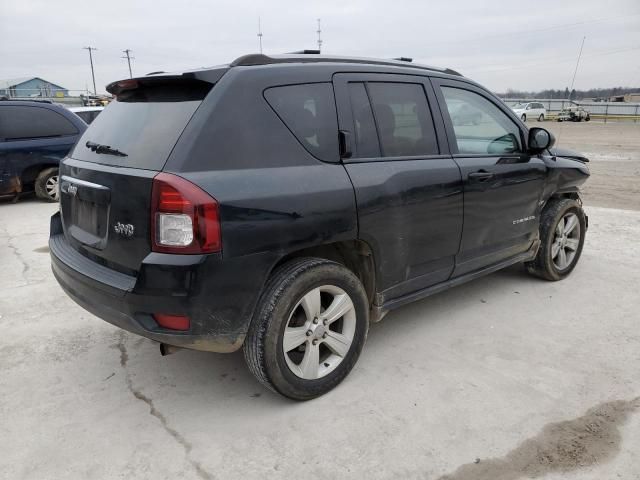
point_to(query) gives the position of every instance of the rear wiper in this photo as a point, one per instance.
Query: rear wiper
(96, 147)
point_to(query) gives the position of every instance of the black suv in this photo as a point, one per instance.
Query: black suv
(34, 137)
(283, 203)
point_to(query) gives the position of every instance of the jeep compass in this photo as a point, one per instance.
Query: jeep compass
(280, 204)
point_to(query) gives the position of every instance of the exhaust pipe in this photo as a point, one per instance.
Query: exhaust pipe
(168, 349)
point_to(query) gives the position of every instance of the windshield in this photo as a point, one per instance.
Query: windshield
(519, 105)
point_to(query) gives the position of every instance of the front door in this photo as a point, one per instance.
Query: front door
(502, 182)
(408, 188)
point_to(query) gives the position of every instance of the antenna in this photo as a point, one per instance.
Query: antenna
(259, 34)
(576, 70)
(93, 75)
(319, 31)
(127, 53)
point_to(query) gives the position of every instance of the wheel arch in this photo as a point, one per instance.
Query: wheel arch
(30, 173)
(356, 255)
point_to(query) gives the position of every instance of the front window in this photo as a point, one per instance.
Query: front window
(480, 127)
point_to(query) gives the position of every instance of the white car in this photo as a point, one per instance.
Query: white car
(529, 111)
(88, 114)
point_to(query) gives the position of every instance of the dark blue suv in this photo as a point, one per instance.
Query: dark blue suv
(34, 137)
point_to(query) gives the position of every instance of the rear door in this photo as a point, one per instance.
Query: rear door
(106, 194)
(502, 182)
(408, 189)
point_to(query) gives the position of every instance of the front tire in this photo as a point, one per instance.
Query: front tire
(46, 185)
(562, 231)
(524, 117)
(308, 328)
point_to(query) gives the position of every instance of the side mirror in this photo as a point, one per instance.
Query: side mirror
(540, 139)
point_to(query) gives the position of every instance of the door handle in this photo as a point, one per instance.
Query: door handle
(345, 144)
(481, 176)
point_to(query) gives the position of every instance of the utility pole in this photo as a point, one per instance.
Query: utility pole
(93, 75)
(319, 31)
(259, 35)
(127, 53)
(576, 70)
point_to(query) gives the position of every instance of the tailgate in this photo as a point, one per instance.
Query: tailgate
(105, 185)
(105, 212)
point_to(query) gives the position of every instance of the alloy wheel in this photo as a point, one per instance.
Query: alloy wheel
(51, 187)
(566, 241)
(319, 332)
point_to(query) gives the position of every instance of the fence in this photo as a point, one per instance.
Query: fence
(600, 110)
(66, 97)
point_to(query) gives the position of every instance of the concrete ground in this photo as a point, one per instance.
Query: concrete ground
(508, 377)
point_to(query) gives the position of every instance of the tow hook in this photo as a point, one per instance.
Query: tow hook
(168, 349)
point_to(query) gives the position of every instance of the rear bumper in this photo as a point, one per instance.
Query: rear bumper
(219, 297)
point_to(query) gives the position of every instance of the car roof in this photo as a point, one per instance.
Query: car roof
(313, 56)
(307, 58)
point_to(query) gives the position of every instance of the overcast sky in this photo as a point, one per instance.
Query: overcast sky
(502, 43)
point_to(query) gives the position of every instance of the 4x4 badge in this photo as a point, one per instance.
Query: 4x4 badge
(124, 229)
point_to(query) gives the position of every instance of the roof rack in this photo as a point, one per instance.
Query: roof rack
(310, 56)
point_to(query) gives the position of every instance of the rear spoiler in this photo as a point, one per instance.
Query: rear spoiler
(198, 80)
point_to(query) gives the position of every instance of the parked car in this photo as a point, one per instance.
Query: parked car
(281, 204)
(34, 137)
(530, 110)
(574, 113)
(87, 114)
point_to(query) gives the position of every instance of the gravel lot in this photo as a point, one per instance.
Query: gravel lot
(614, 153)
(510, 377)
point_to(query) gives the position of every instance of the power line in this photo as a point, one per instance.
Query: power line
(536, 30)
(577, 63)
(128, 56)
(547, 61)
(319, 32)
(93, 75)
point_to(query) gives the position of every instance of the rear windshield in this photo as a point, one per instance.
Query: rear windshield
(144, 124)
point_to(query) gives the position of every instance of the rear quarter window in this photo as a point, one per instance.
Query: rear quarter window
(19, 122)
(309, 112)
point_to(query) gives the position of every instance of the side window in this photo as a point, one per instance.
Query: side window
(365, 128)
(480, 126)
(309, 111)
(403, 118)
(22, 122)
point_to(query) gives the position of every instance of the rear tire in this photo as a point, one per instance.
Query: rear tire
(587, 118)
(46, 185)
(541, 117)
(291, 347)
(562, 233)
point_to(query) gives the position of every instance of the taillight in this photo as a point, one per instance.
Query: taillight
(184, 218)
